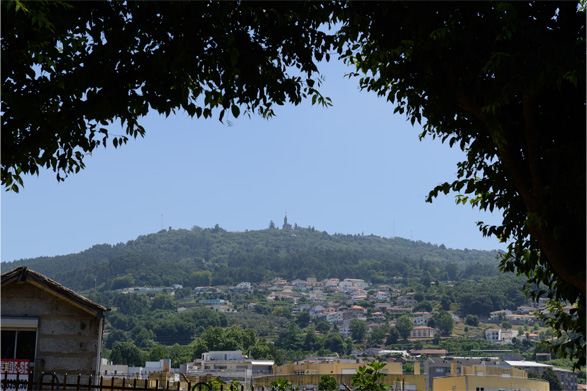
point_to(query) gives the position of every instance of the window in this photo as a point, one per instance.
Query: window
(19, 344)
(19, 338)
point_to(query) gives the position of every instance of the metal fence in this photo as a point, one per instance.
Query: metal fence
(53, 382)
(64, 382)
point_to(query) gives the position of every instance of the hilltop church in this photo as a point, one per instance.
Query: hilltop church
(286, 226)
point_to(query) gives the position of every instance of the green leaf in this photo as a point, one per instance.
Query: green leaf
(235, 111)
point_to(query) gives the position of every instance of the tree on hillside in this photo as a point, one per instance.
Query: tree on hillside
(392, 337)
(550, 376)
(404, 326)
(322, 326)
(472, 320)
(358, 329)
(115, 336)
(291, 338)
(505, 82)
(125, 353)
(303, 319)
(443, 321)
(424, 305)
(377, 335)
(334, 343)
(163, 301)
(506, 324)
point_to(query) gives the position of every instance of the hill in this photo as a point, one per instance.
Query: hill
(215, 256)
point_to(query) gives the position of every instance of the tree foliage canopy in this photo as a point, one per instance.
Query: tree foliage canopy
(69, 70)
(505, 82)
(327, 383)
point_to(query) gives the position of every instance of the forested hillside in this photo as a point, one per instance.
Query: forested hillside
(213, 256)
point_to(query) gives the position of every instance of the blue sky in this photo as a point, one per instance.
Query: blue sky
(351, 168)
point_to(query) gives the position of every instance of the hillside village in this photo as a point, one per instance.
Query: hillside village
(342, 302)
(339, 302)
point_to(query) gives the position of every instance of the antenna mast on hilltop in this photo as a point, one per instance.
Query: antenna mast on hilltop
(161, 220)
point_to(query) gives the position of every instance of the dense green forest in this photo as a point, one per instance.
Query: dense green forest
(214, 256)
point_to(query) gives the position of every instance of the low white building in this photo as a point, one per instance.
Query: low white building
(493, 335)
(382, 296)
(230, 365)
(334, 317)
(499, 336)
(242, 287)
(352, 282)
(421, 318)
(124, 371)
(345, 329)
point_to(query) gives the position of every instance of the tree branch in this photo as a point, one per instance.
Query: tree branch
(527, 186)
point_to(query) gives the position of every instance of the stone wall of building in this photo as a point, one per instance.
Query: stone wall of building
(67, 336)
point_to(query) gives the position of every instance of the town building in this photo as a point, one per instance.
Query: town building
(521, 319)
(435, 367)
(307, 373)
(485, 378)
(500, 336)
(423, 332)
(49, 326)
(230, 365)
(109, 370)
(242, 287)
(498, 316)
(352, 282)
(421, 318)
(567, 378)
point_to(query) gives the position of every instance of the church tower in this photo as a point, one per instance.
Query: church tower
(286, 226)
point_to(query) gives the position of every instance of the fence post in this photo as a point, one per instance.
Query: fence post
(53, 378)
